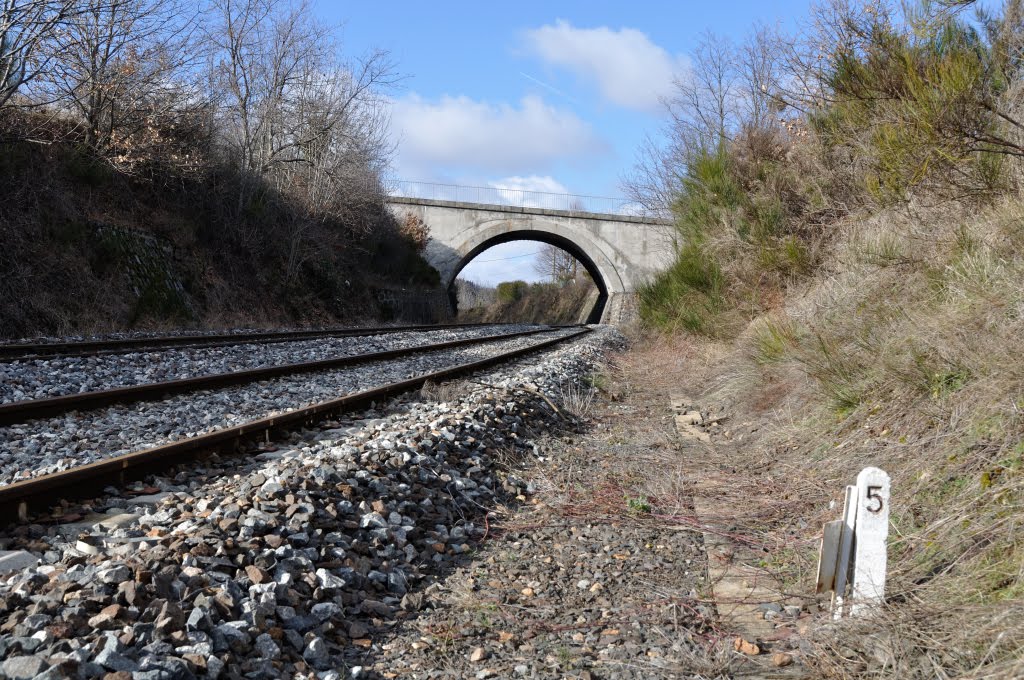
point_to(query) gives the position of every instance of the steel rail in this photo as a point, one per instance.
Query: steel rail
(83, 348)
(47, 490)
(30, 409)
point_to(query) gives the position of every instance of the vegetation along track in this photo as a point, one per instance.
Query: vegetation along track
(44, 488)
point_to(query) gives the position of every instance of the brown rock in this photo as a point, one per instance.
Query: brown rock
(256, 575)
(128, 590)
(113, 611)
(119, 675)
(170, 619)
(365, 643)
(781, 659)
(202, 550)
(744, 647)
(107, 618)
(478, 654)
(273, 540)
(61, 630)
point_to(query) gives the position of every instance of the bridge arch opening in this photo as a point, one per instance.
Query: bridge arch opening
(540, 236)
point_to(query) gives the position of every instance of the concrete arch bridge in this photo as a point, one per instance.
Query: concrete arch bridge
(619, 251)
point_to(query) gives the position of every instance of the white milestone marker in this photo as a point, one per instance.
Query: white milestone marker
(872, 530)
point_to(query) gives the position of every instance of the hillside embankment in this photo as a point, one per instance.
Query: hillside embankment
(903, 354)
(87, 248)
(849, 294)
(161, 168)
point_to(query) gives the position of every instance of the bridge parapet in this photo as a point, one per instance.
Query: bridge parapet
(495, 197)
(528, 210)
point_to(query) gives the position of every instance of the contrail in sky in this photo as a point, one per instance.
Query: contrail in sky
(549, 87)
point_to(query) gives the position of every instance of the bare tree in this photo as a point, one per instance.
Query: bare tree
(471, 294)
(657, 175)
(556, 264)
(727, 92)
(25, 26)
(806, 59)
(295, 116)
(705, 107)
(704, 112)
(758, 71)
(287, 99)
(119, 64)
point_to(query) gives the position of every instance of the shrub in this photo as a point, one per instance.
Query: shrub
(922, 104)
(687, 295)
(511, 291)
(741, 215)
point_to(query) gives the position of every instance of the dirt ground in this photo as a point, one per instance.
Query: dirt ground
(600, 569)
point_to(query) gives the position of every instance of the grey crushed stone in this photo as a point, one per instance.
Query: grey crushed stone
(54, 444)
(276, 546)
(42, 378)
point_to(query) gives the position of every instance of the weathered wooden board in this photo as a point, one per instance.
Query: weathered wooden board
(828, 556)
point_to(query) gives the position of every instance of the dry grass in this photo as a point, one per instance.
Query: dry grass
(903, 352)
(578, 399)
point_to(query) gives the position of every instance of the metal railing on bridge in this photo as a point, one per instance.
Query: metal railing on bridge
(519, 198)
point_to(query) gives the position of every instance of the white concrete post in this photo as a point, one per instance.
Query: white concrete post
(852, 563)
(872, 532)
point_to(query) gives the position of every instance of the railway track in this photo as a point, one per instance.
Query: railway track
(84, 348)
(20, 411)
(18, 498)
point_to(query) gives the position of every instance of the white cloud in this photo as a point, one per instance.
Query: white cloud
(462, 133)
(533, 191)
(626, 66)
(547, 184)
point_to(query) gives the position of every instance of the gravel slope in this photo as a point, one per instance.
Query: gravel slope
(294, 566)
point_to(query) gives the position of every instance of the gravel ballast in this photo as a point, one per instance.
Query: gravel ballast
(26, 379)
(76, 438)
(295, 564)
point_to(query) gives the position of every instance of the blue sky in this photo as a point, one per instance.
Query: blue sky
(552, 96)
